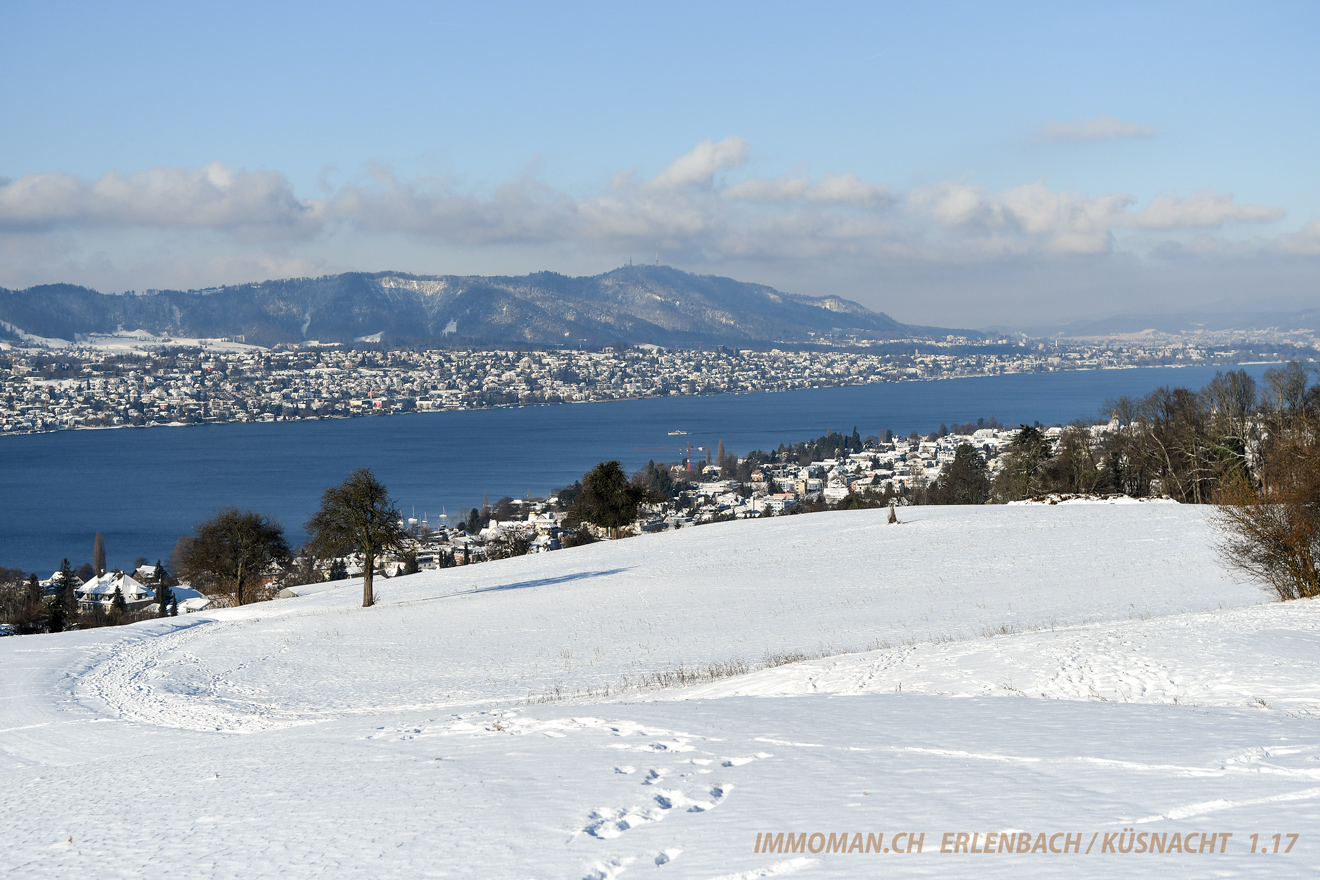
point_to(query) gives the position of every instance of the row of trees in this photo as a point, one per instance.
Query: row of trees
(1191, 446)
(1254, 452)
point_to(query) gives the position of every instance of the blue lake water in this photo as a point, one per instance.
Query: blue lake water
(144, 487)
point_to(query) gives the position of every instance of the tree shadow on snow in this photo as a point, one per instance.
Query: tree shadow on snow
(546, 582)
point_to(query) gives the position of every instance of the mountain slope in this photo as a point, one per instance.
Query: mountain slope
(633, 304)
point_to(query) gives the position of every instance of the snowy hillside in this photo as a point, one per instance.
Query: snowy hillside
(1078, 669)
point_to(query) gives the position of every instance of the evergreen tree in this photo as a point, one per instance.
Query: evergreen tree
(118, 607)
(64, 588)
(1022, 474)
(98, 554)
(55, 616)
(965, 481)
(607, 498)
(164, 598)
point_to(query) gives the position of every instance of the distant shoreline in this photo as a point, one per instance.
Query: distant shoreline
(368, 414)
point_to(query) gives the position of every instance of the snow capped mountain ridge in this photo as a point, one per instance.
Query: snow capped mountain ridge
(632, 304)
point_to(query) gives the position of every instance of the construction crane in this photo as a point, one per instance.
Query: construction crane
(687, 459)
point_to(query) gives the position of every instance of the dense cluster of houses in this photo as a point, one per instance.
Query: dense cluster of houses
(519, 526)
(898, 465)
(98, 592)
(74, 387)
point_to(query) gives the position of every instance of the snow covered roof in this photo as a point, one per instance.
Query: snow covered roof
(105, 585)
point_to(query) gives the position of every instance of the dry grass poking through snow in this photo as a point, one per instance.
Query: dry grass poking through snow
(676, 677)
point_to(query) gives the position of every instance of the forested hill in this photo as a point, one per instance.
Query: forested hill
(633, 304)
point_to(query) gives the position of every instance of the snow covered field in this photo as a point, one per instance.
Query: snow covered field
(1076, 671)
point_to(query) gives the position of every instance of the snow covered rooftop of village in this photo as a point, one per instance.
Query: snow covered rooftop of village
(1073, 669)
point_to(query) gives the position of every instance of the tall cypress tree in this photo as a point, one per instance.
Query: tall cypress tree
(98, 555)
(164, 595)
(64, 583)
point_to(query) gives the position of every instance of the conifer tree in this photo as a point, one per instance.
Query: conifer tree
(98, 554)
(164, 597)
(55, 614)
(118, 607)
(607, 498)
(64, 588)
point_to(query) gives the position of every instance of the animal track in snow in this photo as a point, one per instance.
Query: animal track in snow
(610, 869)
(606, 823)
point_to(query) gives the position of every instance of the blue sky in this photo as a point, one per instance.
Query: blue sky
(972, 164)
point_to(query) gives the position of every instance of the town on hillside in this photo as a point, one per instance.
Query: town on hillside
(1229, 444)
(832, 472)
(140, 381)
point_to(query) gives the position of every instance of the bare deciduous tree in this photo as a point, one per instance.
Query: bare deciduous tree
(230, 549)
(357, 515)
(1270, 527)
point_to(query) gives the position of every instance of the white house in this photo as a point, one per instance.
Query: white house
(99, 592)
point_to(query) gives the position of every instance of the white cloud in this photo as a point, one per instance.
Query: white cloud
(843, 189)
(215, 223)
(1032, 217)
(1029, 217)
(1303, 242)
(215, 197)
(521, 210)
(1199, 211)
(699, 167)
(1097, 128)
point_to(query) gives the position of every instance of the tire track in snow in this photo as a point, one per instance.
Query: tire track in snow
(127, 683)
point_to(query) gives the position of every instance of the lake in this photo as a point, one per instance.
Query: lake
(144, 487)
